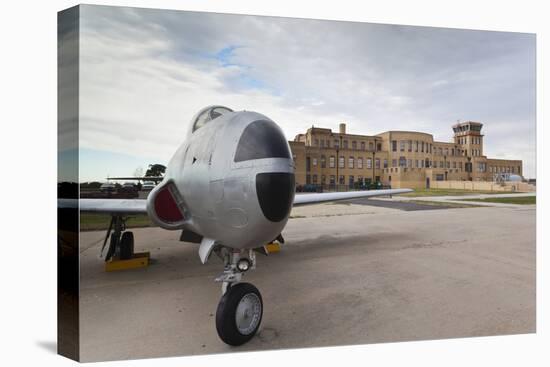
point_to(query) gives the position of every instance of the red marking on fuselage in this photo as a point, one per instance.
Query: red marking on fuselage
(166, 207)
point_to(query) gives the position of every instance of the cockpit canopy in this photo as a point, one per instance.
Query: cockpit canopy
(208, 114)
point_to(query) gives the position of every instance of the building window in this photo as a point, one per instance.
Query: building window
(308, 164)
(336, 144)
(394, 162)
(323, 162)
(422, 147)
(314, 162)
(314, 179)
(322, 143)
(350, 181)
(332, 180)
(362, 145)
(350, 162)
(316, 142)
(341, 162)
(416, 148)
(369, 163)
(379, 146)
(385, 163)
(410, 145)
(328, 143)
(402, 162)
(402, 145)
(371, 146)
(377, 163)
(323, 179)
(360, 163)
(342, 180)
(394, 145)
(354, 145)
(345, 144)
(331, 161)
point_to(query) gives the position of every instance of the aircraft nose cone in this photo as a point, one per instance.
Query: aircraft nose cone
(275, 191)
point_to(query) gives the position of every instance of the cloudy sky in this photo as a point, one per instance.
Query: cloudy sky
(144, 73)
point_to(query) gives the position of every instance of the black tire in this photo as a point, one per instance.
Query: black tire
(126, 246)
(226, 314)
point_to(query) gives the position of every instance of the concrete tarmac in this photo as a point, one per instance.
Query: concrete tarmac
(348, 274)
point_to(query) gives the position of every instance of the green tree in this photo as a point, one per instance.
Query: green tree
(155, 170)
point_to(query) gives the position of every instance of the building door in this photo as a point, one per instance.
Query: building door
(427, 182)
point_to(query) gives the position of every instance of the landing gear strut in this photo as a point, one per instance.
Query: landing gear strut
(240, 310)
(121, 243)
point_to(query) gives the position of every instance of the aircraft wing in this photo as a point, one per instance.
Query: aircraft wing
(314, 198)
(139, 206)
(144, 178)
(106, 206)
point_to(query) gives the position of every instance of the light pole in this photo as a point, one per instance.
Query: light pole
(445, 166)
(338, 162)
(373, 163)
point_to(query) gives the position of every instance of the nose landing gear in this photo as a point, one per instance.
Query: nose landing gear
(239, 314)
(240, 310)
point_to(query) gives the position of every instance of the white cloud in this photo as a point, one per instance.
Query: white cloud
(145, 73)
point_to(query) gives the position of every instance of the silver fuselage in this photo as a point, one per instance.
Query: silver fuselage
(217, 194)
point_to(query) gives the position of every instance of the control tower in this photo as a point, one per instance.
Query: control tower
(468, 136)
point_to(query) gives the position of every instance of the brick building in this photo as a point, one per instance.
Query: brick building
(396, 158)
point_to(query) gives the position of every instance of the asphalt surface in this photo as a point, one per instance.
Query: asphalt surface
(401, 205)
(348, 274)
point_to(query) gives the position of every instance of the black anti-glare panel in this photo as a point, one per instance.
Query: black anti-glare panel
(261, 139)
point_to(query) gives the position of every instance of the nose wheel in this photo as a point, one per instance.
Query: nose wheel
(240, 310)
(239, 314)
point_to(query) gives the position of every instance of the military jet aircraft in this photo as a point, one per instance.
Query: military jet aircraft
(230, 187)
